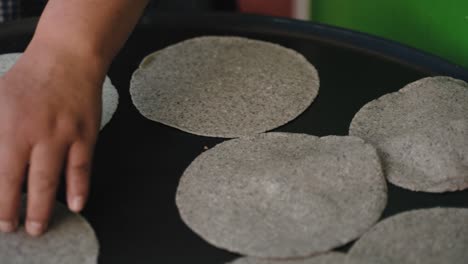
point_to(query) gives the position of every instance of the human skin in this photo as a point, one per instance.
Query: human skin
(50, 105)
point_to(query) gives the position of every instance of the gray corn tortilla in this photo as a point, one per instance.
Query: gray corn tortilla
(224, 86)
(110, 96)
(421, 133)
(328, 258)
(7, 61)
(424, 236)
(280, 195)
(70, 239)
(110, 101)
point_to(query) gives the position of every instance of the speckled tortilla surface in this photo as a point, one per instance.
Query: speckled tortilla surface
(423, 236)
(110, 101)
(280, 195)
(327, 258)
(70, 239)
(224, 86)
(421, 133)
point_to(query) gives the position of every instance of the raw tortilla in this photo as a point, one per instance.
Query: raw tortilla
(7, 61)
(70, 239)
(224, 86)
(280, 195)
(110, 96)
(328, 258)
(110, 101)
(425, 236)
(421, 133)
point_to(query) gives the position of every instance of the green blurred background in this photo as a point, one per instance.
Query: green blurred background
(439, 27)
(436, 26)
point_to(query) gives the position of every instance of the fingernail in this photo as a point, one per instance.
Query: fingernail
(7, 226)
(77, 204)
(35, 228)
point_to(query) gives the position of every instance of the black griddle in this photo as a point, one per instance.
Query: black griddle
(138, 162)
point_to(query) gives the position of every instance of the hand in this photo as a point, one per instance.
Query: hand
(50, 105)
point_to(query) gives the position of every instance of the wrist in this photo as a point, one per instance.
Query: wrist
(51, 53)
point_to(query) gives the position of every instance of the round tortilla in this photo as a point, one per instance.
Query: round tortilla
(280, 195)
(224, 86)
(110, 96)
(421, 133)
(7, 61)
(425, 236)
(328, 258)
(70, 239)
(110, 101)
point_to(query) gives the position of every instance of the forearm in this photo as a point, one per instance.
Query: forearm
(91, 29)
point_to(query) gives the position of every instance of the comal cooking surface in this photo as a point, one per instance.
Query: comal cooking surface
(138, 162)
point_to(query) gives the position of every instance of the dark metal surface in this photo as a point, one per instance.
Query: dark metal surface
(138, 162)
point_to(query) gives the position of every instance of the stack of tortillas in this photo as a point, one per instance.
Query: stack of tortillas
(69, 239)
(110, 96)
(224, 86)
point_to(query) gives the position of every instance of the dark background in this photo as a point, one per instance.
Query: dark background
(32, 8)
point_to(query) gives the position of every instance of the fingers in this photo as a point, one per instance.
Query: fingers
(13, 162)
(47, 161)
(78, 173)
